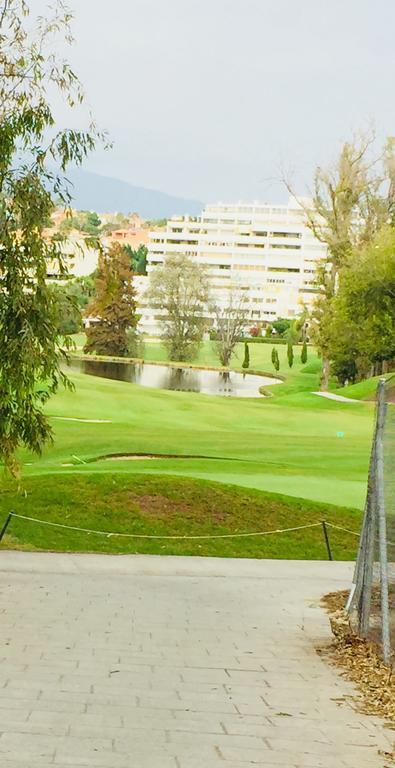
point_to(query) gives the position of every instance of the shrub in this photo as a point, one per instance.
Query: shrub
(254, 331)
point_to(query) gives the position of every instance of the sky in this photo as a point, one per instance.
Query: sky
(213, 99)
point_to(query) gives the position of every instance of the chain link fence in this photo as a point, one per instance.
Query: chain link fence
(372, 600)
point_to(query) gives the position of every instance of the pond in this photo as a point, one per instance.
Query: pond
(222, 383)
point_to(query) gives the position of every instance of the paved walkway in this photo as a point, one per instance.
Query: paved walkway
(149, 662)
(338, 398)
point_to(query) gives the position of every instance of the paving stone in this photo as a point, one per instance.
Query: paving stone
(148, 662)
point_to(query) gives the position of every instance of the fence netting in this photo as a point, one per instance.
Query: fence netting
(372, 600)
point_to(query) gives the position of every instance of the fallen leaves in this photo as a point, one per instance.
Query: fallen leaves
(361, 664)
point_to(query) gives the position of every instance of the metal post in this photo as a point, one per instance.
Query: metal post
(5, 526)
(382, 528)
(327, 542)
(362, 598)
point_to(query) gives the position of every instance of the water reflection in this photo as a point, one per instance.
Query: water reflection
(222, 383)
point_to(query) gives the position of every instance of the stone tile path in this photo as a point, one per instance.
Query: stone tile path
(148, 662)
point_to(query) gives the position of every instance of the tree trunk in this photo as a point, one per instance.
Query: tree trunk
(324, 383)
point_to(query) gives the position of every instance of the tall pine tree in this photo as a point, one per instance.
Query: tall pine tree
(113, 310)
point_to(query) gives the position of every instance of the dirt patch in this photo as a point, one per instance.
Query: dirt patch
(161, 507)
(360, 663)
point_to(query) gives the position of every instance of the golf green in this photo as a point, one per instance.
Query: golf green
(131, 458)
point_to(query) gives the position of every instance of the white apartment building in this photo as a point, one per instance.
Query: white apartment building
(80, 259)
(266, 250)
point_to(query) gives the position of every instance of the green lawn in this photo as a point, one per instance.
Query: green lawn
(286, 444)
(167, 506)
(293, 443)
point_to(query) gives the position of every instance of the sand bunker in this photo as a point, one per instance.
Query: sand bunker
(85, 421)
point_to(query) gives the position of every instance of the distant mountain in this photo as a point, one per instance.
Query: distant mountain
(90, 191)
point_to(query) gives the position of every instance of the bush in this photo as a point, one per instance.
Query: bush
(254, 331)
(263, 340)
(136, 345)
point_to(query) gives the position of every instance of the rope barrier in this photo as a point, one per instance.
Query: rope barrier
(109, 534)
(354, 533)
(340, 528)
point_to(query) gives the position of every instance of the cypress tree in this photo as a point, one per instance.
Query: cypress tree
(246, 361)
(274, 352)
(276, 361)
(303, 356)
(290, 355)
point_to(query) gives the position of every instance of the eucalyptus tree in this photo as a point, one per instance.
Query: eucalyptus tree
(30, 146)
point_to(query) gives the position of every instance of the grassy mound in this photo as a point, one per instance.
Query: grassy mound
(364, 390)
(165, 505)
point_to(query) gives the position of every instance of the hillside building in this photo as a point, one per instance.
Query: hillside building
(266, 250)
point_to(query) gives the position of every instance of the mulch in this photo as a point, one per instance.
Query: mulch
(360, 663)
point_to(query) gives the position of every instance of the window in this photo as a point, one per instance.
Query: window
(286, 247)
(296, 235)
(249, 267)
(183, 242)
(250, 245)
(283, 269)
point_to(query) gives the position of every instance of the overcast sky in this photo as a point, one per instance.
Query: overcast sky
(208, 98)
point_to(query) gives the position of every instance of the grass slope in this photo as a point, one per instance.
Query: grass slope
(160, 505)
(285, 444)
(364, 390)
